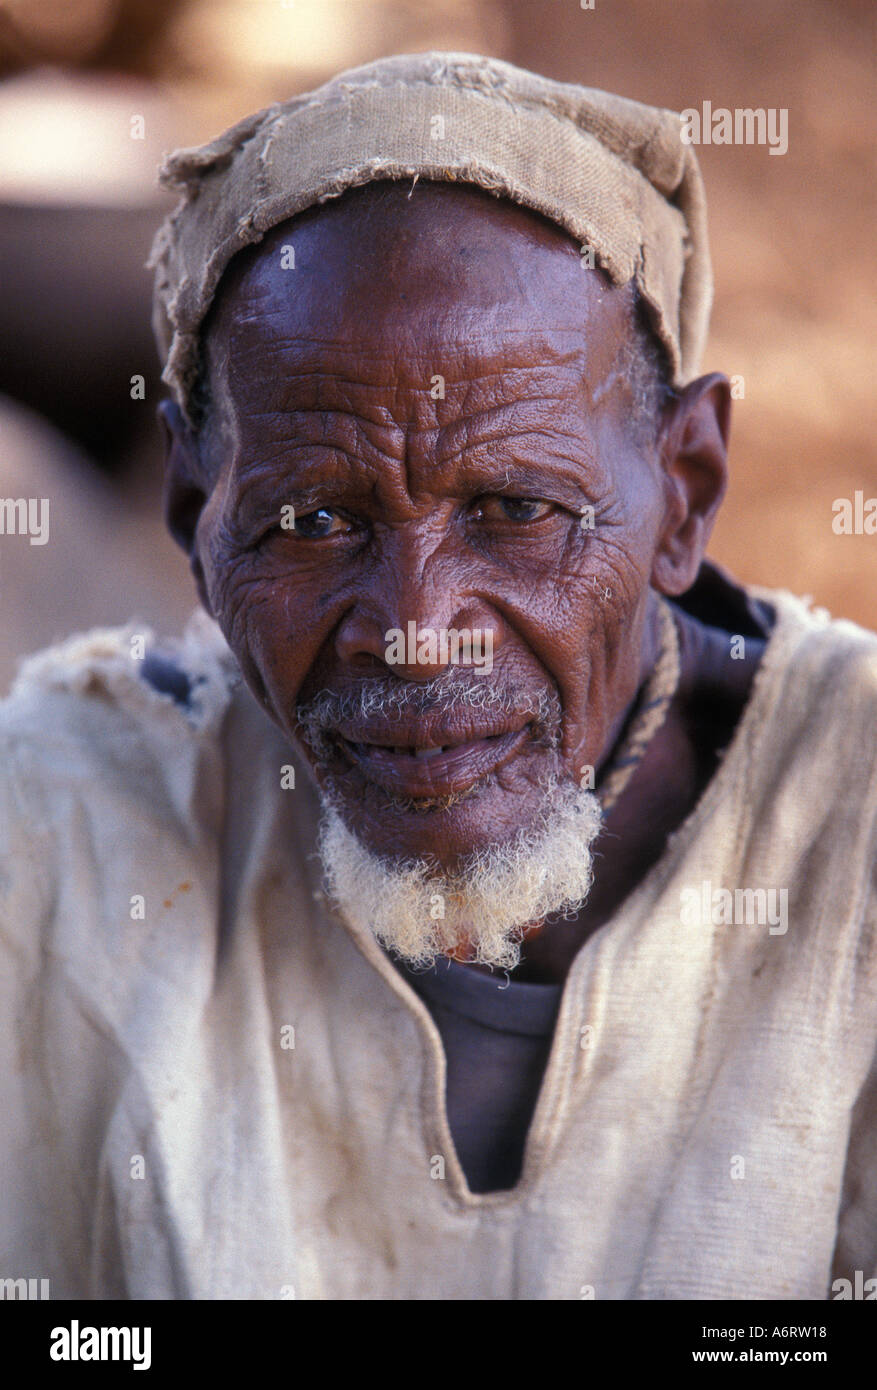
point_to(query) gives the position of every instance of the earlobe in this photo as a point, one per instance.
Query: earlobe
(694, 460)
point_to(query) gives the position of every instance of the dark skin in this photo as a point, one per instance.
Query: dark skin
(456, 512)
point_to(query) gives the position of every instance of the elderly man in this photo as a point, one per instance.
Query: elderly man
(479, 901)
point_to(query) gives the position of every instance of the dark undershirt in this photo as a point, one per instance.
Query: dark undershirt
(497, 1036)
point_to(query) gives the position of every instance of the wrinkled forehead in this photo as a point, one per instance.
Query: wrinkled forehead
(424, 279)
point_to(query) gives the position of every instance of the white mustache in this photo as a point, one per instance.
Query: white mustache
(384, 696)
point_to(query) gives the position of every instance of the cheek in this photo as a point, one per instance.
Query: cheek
(589, 638)
(274, 623)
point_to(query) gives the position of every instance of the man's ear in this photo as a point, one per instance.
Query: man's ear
(694, 461)
(185, 488)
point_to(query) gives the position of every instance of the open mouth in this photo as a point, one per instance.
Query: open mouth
(432, 770)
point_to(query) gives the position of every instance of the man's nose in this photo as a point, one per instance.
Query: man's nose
(416, 619)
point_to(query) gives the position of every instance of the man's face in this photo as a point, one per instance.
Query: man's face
(434, 385)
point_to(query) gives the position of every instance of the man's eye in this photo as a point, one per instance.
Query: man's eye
(322, 522)
(514, 509)
(310, 525)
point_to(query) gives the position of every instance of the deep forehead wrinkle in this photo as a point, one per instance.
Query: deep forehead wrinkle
(386, 391)
(401, 419)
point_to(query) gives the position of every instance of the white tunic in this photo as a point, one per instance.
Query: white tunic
(706, 1127)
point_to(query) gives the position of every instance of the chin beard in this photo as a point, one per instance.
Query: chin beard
(480, 911)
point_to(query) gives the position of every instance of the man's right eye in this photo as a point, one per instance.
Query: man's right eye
(310, 526)
(322, 522)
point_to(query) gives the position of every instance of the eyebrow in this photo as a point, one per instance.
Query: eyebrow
(519, 473)
(572, 482)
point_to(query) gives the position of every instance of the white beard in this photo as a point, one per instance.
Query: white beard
(487, 902)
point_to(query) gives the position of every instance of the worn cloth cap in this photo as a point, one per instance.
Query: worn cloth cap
(614, 173)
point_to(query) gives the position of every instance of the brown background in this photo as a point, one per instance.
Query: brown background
(792, 240)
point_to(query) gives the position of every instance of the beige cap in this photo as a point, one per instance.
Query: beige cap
(614, 173)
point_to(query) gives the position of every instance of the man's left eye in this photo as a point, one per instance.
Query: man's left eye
(514, 508)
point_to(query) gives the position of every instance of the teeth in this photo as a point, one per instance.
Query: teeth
(406, 751)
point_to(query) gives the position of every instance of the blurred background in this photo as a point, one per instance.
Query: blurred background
(93, 93)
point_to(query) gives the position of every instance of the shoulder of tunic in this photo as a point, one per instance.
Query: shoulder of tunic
(86, 740)
(822, 670)
(111, 672)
